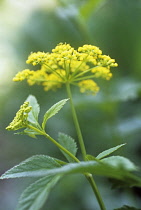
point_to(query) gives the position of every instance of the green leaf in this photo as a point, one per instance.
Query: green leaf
(60, 161)
(33, 115)
(127, 208)
(119, 162)
(36, 194)
(53, 110)
(32, 165)
(90, 157)
(114, 167)
(109, 151)
(117, 184)
(69, 143)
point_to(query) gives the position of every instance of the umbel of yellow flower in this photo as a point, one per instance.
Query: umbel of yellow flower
(66, 65)
(20, 120)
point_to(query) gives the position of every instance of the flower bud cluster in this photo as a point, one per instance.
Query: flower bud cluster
(20, 120)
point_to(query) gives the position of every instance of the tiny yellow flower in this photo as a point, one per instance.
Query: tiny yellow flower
(102, 72)
(23, 75)
(67, 65)
(88, 86)
(20, 120)
(37, 58)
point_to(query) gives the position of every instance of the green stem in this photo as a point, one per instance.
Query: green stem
(95, 190)
(83, 150)
(53, 141)
(79, 134)
(62, 148)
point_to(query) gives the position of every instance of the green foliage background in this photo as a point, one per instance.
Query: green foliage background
(111, 118)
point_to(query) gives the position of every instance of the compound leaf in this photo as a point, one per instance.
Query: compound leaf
(52, 111)
(32, 165)
(69, 143)
(33, 114)
(109, 151)
(36, 194)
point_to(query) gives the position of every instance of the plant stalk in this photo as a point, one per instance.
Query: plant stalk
(76, 123)
(95, 190)
(88, 176)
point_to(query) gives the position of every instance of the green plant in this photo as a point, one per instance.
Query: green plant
(67, 66)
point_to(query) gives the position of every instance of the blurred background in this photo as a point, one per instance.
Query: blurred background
(108, 119)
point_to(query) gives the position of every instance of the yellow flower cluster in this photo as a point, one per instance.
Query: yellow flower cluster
(88, 86)
(102, 72)
(37, 58)
(25, 74)
(20, 120)
(67, 65)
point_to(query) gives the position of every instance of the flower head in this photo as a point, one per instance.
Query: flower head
(20, 120)
(67, 65)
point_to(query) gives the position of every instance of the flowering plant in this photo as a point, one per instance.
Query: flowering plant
(67, 66)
